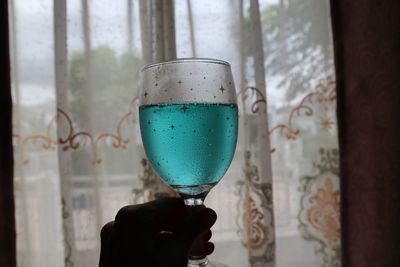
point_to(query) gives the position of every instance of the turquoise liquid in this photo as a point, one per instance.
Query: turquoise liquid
(189, 144)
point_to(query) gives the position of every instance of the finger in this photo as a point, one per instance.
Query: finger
(200, 246)
(155, 216)
(105, 252)
(207, 235)
(143, 222)
(168, 213)
(165, 206)
(192, 228)
(208, 248)
(164, 236)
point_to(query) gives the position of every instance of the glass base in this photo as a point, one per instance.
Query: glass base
(204, 262)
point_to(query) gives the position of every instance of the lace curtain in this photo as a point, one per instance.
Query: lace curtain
(78, 152)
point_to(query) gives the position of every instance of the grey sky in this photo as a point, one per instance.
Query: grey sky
(34, 24)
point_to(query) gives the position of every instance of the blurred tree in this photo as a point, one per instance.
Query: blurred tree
(297, 45)
(114, 83)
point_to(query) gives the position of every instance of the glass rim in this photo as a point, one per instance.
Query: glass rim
(185, 60)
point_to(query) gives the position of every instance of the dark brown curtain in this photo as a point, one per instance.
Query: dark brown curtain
(367, 59)
(7, 220)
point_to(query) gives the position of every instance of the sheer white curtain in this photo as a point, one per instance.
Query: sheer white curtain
(78, 150)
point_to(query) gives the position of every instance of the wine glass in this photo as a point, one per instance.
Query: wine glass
(189, 123)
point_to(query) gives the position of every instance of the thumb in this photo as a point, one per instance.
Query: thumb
(106, 233)
(196, 224)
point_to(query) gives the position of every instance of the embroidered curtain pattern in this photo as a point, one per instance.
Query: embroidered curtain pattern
(76, 69)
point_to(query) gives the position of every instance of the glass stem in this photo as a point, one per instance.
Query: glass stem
(196, 261)
(194, 201)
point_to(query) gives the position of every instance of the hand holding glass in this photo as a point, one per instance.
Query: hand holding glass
(189, 123)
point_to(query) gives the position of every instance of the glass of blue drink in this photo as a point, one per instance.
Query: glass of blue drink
(189, 124)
